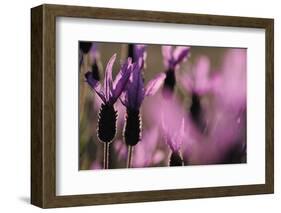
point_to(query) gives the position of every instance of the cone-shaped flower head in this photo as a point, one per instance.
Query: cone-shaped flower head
(109, 95)
(132, 99)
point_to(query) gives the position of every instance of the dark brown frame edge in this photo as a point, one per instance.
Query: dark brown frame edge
(43, 105)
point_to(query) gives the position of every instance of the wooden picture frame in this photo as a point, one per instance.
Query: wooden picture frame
(43, 105)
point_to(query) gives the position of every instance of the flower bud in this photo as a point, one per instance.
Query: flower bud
(107, 123)
(132, 130)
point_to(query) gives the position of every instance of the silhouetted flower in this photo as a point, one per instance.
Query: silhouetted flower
(132, 98)
(109, 94)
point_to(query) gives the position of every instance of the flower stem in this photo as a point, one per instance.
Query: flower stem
(129, 156)
(105, 155)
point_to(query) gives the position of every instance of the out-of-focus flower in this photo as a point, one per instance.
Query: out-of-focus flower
(95, 61)
(199, 82)
(172, 57)
(232, 87)
(174, 136)
(146, 153)
(229, 119)
(84, 48)
(226, 138)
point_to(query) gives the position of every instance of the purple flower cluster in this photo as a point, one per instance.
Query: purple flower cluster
(199, 116)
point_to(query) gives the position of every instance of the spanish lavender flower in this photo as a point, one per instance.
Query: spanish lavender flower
(198, 83)
(109, 94)
(226, 136)
(174, 137)
(132, 99)
(137, 51)
(172, 57)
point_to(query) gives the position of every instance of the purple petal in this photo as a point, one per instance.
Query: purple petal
(167, 52)
(187, 82)
(140, 51)
(108, 78)
(122, 79)
(153, 85)
(180, 54)
(232, 92)
(201, 75)
(94, 84)
(135, 89)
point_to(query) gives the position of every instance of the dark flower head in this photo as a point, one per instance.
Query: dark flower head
(111, 89)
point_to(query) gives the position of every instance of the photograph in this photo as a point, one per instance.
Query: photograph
(155, 105)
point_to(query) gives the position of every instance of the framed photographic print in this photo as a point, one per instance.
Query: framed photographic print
(136, 106)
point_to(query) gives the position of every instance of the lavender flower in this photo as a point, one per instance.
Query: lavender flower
(225, 140)
(111, 89)
(198, 83)
(172, 57)
(132, 99)
(174, 138)
(109, 94)
(137, 51)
